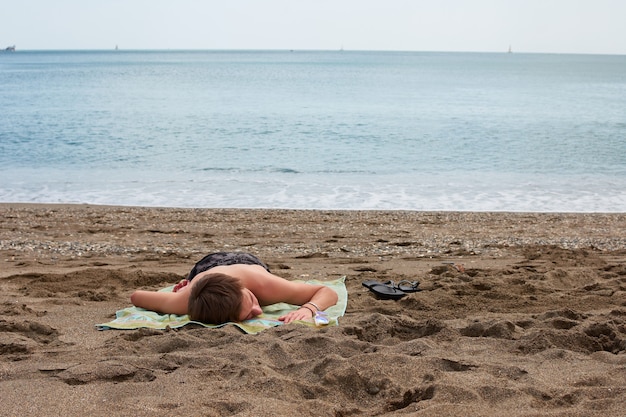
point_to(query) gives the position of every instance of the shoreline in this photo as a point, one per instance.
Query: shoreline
(399, 210)
(24, 204)
(519, 313)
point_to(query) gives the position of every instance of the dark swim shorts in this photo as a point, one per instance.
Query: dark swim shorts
(225, 258)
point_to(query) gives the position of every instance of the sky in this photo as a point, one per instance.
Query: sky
(544, 26)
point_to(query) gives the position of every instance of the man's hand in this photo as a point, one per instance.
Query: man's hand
(302, 313)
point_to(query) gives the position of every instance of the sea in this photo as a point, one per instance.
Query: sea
(332, 130)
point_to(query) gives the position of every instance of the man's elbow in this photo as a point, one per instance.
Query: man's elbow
(332, 296)
(135, 298)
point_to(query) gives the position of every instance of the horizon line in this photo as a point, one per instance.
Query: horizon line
(339, 50)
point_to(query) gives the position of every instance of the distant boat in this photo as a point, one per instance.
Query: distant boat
(10, 48)
(510, 50)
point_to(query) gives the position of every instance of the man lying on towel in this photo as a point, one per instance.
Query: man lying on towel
(232, 286)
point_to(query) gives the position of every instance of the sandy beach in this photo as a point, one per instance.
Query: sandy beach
(520, 314)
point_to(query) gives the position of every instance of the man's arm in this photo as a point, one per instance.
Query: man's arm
(319, 300)
(161, 302)
(272, 289)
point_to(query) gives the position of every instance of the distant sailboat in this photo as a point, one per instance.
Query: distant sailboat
(510, 50)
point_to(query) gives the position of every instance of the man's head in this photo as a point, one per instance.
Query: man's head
(215, 298)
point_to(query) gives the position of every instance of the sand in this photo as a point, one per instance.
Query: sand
(520, 314)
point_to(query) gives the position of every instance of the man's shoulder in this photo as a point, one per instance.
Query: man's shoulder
(239, 270)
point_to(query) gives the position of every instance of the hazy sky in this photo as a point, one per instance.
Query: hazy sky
(562, 26)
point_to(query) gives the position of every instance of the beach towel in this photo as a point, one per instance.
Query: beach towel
(134, 318)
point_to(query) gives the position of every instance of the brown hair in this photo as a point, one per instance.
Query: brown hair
(215, 299)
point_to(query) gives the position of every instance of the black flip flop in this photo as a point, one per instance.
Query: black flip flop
(408, 286)
(384, 291)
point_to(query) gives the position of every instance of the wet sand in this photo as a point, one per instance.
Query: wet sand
(520, 314)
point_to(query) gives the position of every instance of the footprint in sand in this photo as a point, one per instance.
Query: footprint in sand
(19, 338)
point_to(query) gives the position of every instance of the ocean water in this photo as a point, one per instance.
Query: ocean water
(315, 130)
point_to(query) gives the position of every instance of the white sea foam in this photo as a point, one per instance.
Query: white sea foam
(540, 194)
